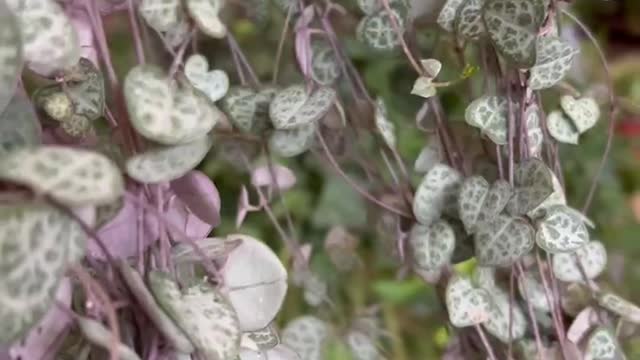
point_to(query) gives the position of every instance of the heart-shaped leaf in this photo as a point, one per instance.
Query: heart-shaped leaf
(289, 143)
(429, 156)
(561, 128)
(448, 14)
(603, 345)
(265, 339)
(369, 6)
(424, 87)
(593, 257)
(502, 313)
(432, 245)
(174, 335)
(280, 352)
(377, 30)
(49, 42)
(534, 184)
(324, 66)
(19, 125)
(164, 114)
(56, 104)
(256, 282)
(167, 163)
(214, 84)
(240, 105)
(532, 290)
(584, 113)
(557, 197)
(468, 21)
(77, 126)
(161, 15)
(561, 231)
(478, 203)
(99, 335)
(489, 114)
(438, 188)
(72, 176)
(205, 316)
(200, 195)
(282, 177)
(206, 15)
(362, 346)
(513, 28)
(38, 243)
(535, 136)
(431, 66)
(87, 92)
(554, 59)
(10, 54)
(385, 127)
(466, 304)
(306, 336)
(292, 107)
(503, 241)
(619, 306)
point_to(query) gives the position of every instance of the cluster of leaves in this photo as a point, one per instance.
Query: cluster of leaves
(102, 201)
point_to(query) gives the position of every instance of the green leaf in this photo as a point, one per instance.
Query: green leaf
(438, 188)
(19, 126)
(503, 241)
(561, 231)
(479, 203)
(289, 143)
(240, 106)
(204, 315)
(49, 41)
(447, 16)
(625, 309)
(592, 256)
(164, 114)
(167, 163)
(324, 66)
(489, 114)
(10, 55)
(398, 291)
(214, 84)
(377, 31)
(432, 246)
(212, 248)
(338, 204)
(369, 6)
(468, 22)
(385, 127)
(535, 136)
(161, 15)
(205, 13)
(554, 59)
(602, 345)
(584, 113)
(513, 28)
(534, 184)
(424, 87)
(37, 244)
(466, 304)
(500, 312)
(74, 177)
(561, 128)
(532, 290)
(306, 335)
(362, 346)
(293, 107)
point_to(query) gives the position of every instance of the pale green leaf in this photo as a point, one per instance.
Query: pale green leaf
(447, 16)
(432, 246)
(377, 30)
(385, 127)
(500, 312)
(561, 231)
(424, 87)
(324, 66)
(602, 345)
(625, 309)
(561, 128)
(479, 203)
(503, 241)
(19, 126)
(489, 114)
(161, 15)
(554, 59)
(534, 184)
(584, 113)
(467, 305)
(10, 54)
(214, 84)
(206, 13)
(592, 256)
(289, 143)
(437, 190)
(306, 335)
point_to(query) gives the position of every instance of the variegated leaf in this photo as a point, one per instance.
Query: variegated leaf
(240, 105)
(385, 127)
(554, 59)
(502, 313)
(561, 128)
(432, 246)
(532, 290)
(38, 243)
(377, 30)
(206, 15)
(621, 307)
(437, 190)
(584, 113)
(167, 163)
(603, 345)
(161, 15)
(306, 335)
(561, 231)
(293, 107)
(99, 335)
(289, 143)
(513, 28)
(214, 84)
(489, 114)
(212, 248)
(19, 126)
(362, 346)
(447, 16)
(592, 256)
(265, 339)
(479, 203)
(49, 41)
(535, 136)
(205, 316)
(10, 54)
(467, 305)
(503, 241)
(534, 184)
(468, 22)
(324, 66)
(73, 176)
(369, 6)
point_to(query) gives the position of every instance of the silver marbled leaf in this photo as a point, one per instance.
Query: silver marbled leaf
(489, 114)
(19, 126)
(592, 256)
(503, 241)
(624, 308)
(561, 231)
(479, 203)
(10, 54)
(306, 335)
(554, 59)
(437, 190)
(603, 345)
(467, 305)
(432, 246)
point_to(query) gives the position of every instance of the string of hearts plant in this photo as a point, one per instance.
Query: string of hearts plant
(105, 221)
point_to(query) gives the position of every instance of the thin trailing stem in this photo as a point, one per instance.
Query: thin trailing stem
(536, 330)
(135, 27)
(485, 342)
(285, 29)
(612, 109)
(353, 184)
(233, 44)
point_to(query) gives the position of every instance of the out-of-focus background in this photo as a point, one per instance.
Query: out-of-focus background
(409, 309)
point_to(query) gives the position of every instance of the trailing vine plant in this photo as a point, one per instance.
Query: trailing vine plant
(105, 221)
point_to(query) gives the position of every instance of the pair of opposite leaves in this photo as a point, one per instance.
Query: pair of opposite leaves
(167, 15)
(377, 28)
